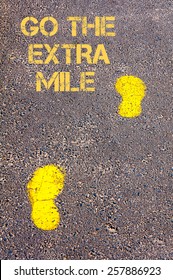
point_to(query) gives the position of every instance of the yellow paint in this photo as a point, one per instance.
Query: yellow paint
(54, 24)
(83, 52)
(32, 53)
(47, 182)
(132, 89)
(53, 80)
(84, 81)
(101, 26)
(105, 25)
(68, 48)
(80, 54)
(101, 54)
(74, 25)
(61, 82)
(51, 54)
(95, 26)
(34, 28)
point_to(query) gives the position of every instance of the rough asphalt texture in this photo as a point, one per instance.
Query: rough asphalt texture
(116, 203)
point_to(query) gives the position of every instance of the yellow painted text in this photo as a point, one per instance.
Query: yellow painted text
(77, 53)
(61, 81)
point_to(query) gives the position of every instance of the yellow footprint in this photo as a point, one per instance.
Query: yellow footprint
(47, 182)
(132, 90)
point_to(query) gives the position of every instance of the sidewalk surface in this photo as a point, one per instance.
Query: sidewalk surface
(116, 202)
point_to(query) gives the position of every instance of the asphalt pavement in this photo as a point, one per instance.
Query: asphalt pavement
(117, 198)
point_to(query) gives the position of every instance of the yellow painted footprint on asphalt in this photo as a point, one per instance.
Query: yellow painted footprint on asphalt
(132, 89)
(45, 185)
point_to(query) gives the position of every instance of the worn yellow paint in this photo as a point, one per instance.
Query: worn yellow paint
(132, 89)
(46, 183)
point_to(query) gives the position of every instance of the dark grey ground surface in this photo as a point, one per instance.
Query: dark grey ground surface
(116, 203)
